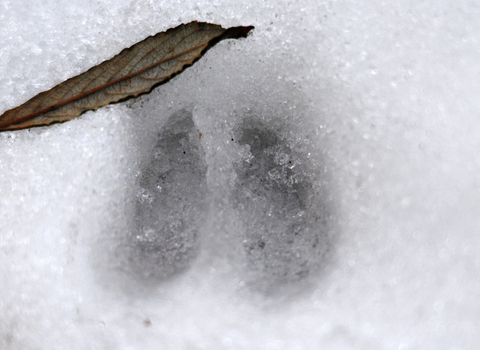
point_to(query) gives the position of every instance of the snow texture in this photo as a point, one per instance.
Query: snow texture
(328, 196)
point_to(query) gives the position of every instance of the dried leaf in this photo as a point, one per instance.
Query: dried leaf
(133, 72)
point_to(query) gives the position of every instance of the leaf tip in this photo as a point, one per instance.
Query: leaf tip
(237, 32)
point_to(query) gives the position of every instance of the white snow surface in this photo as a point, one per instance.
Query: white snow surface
(376, 101)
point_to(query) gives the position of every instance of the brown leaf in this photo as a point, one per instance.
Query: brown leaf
(132, 72)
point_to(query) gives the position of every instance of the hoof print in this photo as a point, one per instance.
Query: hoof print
(275, 200)
(170, 202)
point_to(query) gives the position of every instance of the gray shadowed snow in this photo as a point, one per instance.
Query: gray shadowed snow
(170, 202)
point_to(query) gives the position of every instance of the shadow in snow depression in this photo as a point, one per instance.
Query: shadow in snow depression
(278, 186)
(170, 203)
(284, 207)
(284, 231)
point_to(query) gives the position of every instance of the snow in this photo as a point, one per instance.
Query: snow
(375, 103)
